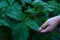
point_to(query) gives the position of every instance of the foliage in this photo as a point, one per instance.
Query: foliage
(20, 19)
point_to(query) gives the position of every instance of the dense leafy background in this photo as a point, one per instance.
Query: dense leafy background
(21, 19)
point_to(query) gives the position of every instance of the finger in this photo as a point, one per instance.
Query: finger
(43, 26)
(48, 29)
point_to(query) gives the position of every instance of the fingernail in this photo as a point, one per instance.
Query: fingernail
(39, 28)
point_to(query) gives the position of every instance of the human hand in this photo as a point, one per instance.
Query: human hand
(50, 24)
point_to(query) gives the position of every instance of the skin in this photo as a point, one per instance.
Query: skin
(50, 24)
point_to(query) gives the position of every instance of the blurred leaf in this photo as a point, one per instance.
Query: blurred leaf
(21, 32)
(3, 4)
(10, 1)
(17, 6)
(24, 18)
(15, 14)
(32, 24)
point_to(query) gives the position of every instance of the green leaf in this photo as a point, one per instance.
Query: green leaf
(17, 28)
(17, 6)
(37, 0)
(32, 24)
(25, 1)
(10, 2)
(10, 22)
(14, 13)
(0, 22)
(3, 4)
(21, 32)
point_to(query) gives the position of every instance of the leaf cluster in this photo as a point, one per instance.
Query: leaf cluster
(21, 19)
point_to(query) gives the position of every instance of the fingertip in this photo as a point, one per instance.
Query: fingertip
(40, 28)
(44, 31)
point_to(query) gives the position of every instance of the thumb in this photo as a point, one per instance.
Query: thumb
(43, 26)
(45, 30)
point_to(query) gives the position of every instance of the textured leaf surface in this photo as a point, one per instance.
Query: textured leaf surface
(10, 1)
(23, 17)
(3, 4)
(15, 14)
(32, 24)
(21, 32)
